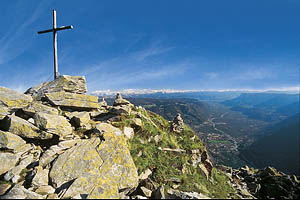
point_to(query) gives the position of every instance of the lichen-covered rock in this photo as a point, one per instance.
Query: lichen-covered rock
(10, 161)
(79, 119)
(75, 162)
(13, 142)
(73, 84)
(45, 189)
(23, 128)
(4, 111)
(49, 155)
(35, 106)
(72, 100)
(41, 177)
(13, 99)
(19, 192)
(107, 128)
(14, 173)
(115, 173)
(118, 167)
(54, 124)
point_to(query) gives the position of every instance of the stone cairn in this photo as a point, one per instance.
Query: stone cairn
(177, 124)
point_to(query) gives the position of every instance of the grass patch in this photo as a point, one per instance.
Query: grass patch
(165, 164)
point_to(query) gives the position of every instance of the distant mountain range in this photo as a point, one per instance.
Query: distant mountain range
(270, 107)
(216, 96)
(279, 148)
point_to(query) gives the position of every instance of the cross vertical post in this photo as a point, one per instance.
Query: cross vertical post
(54, 30)
(55, 45)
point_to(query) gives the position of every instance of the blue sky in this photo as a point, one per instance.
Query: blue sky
(139, 44)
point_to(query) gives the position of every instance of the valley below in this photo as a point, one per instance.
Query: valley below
(224, 132)
(228, 129)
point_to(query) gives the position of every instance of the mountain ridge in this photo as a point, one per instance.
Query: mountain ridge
(59, 142)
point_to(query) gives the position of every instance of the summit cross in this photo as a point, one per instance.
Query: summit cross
(54, 30)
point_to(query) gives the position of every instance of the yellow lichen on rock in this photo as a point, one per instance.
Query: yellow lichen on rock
(54, 124)
(34, 107)
(68, 99)
(14, 142)
(75, 162)
(23, 128)
(100, 180)
(13, 99)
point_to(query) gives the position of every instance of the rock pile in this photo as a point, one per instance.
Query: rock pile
(55, 146)
(177, 124)
(267, 183)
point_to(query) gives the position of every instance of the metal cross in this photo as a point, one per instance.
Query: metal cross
(54, 30)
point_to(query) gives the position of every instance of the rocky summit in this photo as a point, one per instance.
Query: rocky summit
(58, 142)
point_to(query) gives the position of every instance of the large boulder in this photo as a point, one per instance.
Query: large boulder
(73, 84)
(75, 162)
(13, 99)
(54, 124)
(95, 168)
(72, 100)
(23, 128)
(118, 171)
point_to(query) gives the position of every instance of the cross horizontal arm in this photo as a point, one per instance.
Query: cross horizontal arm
(45, 31)
(63, 28)
(56, 29)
